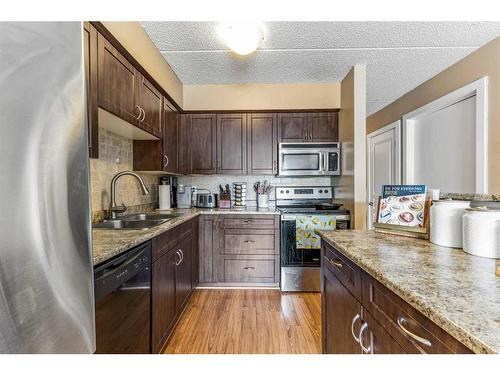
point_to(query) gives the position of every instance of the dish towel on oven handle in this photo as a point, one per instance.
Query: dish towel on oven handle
(305, 225)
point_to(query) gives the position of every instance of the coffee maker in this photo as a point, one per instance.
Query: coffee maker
(173, 191)
(184, 196)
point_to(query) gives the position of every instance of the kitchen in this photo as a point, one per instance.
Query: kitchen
(242, 210)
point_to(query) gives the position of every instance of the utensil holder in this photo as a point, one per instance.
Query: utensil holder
(262, 200)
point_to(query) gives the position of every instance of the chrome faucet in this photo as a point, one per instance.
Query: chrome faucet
(113, 207)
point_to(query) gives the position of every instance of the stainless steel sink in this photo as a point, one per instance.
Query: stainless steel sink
(150, 216)
(129, 224)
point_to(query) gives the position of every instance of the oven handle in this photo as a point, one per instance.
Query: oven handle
(325, 161)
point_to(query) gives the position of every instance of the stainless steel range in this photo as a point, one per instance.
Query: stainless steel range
(303, 210)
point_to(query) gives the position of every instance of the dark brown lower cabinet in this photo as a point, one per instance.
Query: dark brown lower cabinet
(172, 279)
(360, 315)
(163, 300)
(183, 282)
(376, 340)
(339, 310)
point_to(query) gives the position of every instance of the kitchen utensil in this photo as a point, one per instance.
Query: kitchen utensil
(481, 232)
(184, 194)
(446, 222)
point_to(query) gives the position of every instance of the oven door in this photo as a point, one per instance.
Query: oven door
(300, 162)
(291, 255)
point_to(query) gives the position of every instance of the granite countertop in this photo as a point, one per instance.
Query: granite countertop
(457, 291)
(108, 243)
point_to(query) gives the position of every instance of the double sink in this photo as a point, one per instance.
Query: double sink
(136, 221)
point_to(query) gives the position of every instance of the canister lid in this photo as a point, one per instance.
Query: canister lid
(488, 205)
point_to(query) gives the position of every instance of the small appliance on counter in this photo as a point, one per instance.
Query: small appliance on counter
(446, 222)
(304, 209)
(164, 193)
(205, 200)
(184, 194)
(481, 229)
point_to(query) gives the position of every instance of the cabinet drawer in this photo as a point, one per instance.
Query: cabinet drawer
(249, 241)
(412, 330)
(249, 222)
(346, 271)
(163, 242)
(249, 270)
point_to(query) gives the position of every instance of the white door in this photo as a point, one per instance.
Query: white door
(384, 163)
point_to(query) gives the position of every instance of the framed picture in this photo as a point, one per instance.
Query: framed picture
(403, 209)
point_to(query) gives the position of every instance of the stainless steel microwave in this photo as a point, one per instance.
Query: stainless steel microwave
(309, 159)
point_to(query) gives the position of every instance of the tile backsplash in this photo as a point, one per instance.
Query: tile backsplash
(116, 155)
(212, 183)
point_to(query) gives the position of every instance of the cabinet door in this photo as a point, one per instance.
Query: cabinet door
(323, 127)
(149, 98)
(292, 127)
(117, 82)
(195, 254)
(202, 142)
(376, 339)
(183, 282)
(90, 60)
(338, 310)
(183, 157)
(231, 144)
(262, 142)
(169, 134)
(163, 299)
(208, 242)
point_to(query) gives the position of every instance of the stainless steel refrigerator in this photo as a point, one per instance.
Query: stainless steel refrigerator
(46, 276)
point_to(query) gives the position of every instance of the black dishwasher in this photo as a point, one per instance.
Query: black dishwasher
(123, 299)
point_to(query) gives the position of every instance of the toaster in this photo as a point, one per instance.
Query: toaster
(205, 200)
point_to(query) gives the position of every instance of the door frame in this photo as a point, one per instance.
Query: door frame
(396, 125)
(479, 89)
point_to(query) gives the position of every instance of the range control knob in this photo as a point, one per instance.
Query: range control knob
(320, 191)
(326, 191)
(287, 191)
(282, 191)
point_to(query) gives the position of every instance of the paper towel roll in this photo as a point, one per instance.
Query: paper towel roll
(164, 197)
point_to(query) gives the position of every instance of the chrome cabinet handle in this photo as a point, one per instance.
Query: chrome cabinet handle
(360, 338)
(336, 264)
(143, 114)
(274, 166)
(249, 268)
(356, 317)
(249, 241)
(180, 258)
(140, 112)
(182, 255)
(166, 158)
(415, 337)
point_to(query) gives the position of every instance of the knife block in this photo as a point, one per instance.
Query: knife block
(225, 200)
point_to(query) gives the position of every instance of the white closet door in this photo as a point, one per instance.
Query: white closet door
(384, 163)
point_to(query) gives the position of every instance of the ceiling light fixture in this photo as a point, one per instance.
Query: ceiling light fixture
(242, 37)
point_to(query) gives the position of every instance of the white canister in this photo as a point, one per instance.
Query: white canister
(481, 232)
(263, 200)
(446, 222)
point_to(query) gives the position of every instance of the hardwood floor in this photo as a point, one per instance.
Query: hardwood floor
(245, 321)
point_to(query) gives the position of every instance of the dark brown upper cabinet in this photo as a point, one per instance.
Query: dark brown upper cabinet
(308, 127)
(170, 137)
(149, 99)
(323, 127)
(160, 155)
(117, 79)
(90, 66)
(292, 127)
(201, 139)
(262, 142)
(231, 144)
